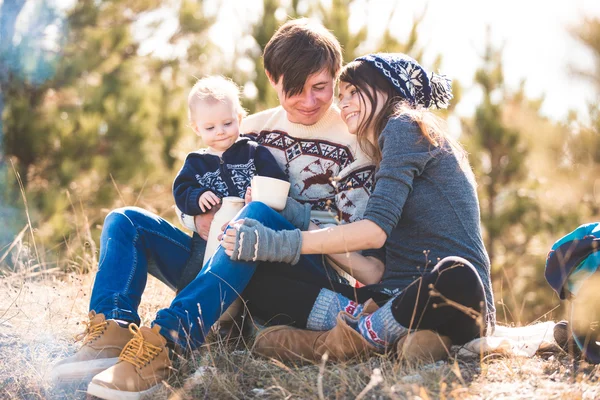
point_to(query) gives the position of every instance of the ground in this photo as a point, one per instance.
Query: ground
(39, 315)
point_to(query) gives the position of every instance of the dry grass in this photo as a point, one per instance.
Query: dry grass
(38, 318)
(41, 309)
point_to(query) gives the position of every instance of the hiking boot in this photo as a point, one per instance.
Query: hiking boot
(564, 338)
(232, 327)
(102, 343)
(143, 365)
(286, 343)
(342, 343)
(423, 347)
(234, 331)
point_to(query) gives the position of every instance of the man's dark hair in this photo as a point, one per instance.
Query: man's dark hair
(298, 49)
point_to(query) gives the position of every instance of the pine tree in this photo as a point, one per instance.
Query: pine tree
(24, 65)
(411, 46)
(336, 17)
(9, 12)
(511, 146)
(498, 155)
(585, 145)
(177, 75)
(106, 115)
(262, 32)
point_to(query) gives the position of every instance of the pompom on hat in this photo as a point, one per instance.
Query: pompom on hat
(411, 80)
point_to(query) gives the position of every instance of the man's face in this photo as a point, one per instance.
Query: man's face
(308, 107)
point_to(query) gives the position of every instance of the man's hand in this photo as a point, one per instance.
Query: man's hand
(203, 222)
(207, 200)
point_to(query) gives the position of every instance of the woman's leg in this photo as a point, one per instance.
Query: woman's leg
(135, 242)
(198, 306)
(449, 299)
(287, 295)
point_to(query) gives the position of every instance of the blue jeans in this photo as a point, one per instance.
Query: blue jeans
(135, 242)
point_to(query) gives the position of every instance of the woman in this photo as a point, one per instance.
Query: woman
(424, 208)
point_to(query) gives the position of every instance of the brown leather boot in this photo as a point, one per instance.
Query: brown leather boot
(233, 327)
(143, 365)
(286, 343)
(102, 343)
(423, 347)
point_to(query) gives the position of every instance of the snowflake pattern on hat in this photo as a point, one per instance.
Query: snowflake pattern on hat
(411, 80)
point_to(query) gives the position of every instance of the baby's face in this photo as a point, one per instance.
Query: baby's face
(217, 123)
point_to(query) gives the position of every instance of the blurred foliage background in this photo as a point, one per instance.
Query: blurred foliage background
(91, 120)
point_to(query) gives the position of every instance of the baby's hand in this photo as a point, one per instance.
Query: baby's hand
(207, 200)
(248, 195)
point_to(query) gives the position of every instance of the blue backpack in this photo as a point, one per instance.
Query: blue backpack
(571, 261)
(573, 258)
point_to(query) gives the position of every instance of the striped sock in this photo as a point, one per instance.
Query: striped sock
(326, 308)
(381, 328)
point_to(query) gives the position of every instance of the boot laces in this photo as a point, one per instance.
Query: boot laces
(92, 331)
(138, 351)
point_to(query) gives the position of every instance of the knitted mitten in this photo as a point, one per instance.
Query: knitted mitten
(298, 214)
(256, 242)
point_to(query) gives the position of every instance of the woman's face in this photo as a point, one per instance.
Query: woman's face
(355, 107)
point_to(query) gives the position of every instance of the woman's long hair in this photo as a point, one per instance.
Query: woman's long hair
(368, 80)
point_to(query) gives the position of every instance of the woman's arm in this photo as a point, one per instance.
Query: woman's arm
(287, 245)
(366, 270)
(359, 235)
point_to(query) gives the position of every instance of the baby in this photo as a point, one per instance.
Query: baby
(228, 163)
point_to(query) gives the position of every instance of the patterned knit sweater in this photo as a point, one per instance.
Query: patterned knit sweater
(325, 165)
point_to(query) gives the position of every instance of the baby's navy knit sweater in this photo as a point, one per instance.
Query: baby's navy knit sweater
(227, 175)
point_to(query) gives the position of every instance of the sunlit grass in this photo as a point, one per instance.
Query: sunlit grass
(44, 299)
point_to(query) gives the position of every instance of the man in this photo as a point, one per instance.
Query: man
(327, 171)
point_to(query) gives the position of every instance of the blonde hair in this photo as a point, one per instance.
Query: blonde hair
(215, 88)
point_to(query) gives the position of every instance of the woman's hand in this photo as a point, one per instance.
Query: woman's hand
(227, 238)
(249, 240)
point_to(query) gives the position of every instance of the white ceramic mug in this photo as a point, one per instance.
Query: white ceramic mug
(273, 192)
(230, 206)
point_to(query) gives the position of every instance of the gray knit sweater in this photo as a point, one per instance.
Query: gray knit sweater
(425, 200)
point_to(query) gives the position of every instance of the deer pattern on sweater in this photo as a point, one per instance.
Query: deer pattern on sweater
(314, 167)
